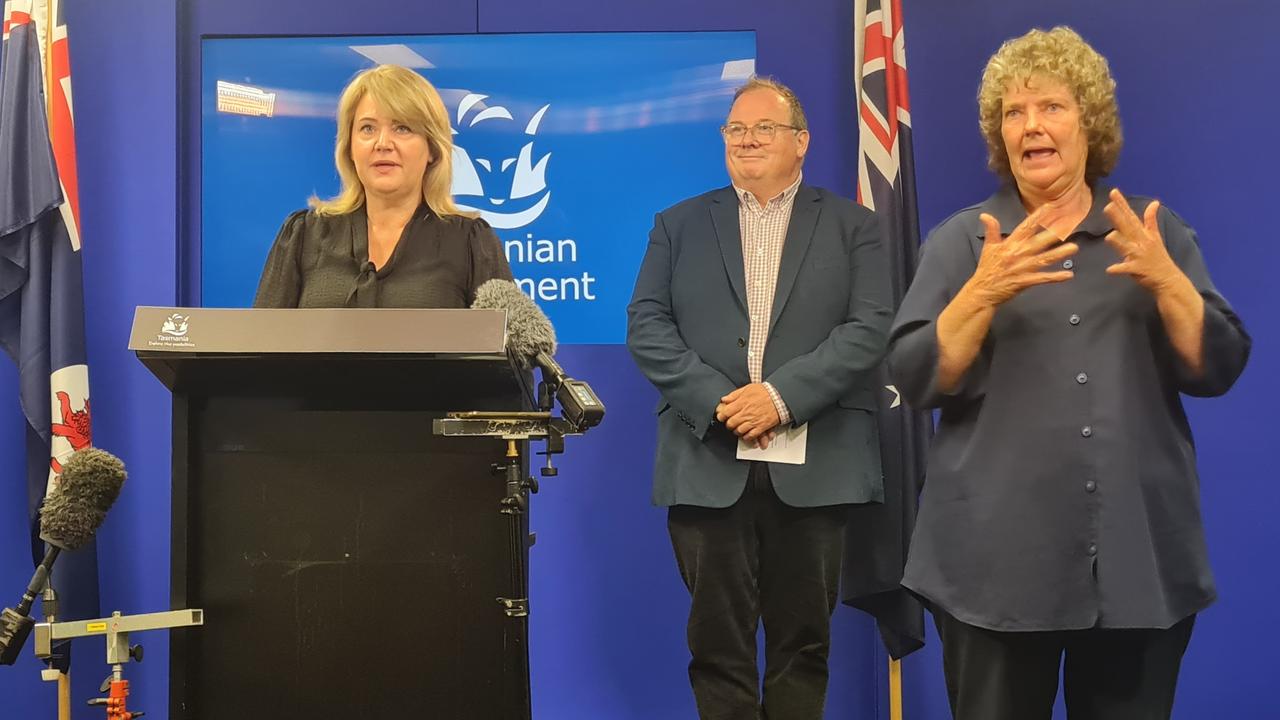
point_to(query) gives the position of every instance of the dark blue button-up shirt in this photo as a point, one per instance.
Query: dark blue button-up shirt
(1062, 490)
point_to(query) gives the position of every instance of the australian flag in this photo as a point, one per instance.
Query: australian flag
(41, 290)
(878, 535)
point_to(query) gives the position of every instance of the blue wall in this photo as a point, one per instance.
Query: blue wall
(608, 623)
(122, 61)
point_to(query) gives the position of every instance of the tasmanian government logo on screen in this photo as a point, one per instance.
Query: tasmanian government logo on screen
(500, 181)
(500, 172)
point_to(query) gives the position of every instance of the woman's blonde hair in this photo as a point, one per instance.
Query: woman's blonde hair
(1062, 55)
(409, 98)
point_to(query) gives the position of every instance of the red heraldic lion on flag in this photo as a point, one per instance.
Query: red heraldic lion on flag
(41, 281)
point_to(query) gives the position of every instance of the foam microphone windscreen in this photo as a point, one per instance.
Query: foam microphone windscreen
(73, 511)
(529, 332)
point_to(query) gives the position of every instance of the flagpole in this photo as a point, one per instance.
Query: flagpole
(886, 186)
(895, 689)
(64, 678)
(48, 61)
(64, 696)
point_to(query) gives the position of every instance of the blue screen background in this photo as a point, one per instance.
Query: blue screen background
(620, 109)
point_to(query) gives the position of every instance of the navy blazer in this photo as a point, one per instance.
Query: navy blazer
(688, 326)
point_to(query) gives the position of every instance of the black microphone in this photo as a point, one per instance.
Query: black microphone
(89, 485)
(532, 340)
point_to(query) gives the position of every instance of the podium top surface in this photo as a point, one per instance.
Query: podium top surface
(419, 357)
(213, 331)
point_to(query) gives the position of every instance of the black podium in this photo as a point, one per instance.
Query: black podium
(350, 563)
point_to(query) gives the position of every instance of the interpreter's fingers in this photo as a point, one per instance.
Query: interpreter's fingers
(1031, 225)
(1058, 254)
(1042, 240)
(1119, 242)
(1150, 218)
(1122, 215)
(1047, 277)
(992, 227)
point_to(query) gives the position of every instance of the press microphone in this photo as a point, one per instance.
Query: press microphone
(529, 332)
(532, 340)
(89, 485)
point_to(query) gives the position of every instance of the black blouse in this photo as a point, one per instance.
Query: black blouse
(322, 261)
(1062, 490)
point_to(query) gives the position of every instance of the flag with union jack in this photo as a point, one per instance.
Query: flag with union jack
(879, 535)
(41, 288)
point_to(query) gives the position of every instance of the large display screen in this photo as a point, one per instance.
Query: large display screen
(566, 143)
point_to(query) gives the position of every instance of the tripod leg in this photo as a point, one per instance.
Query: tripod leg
(516, 663)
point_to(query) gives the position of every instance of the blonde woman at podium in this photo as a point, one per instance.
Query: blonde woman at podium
(392, 237)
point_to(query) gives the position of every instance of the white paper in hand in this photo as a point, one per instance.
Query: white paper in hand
(788, 446)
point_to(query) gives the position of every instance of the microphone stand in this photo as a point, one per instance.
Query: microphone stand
(514, 428)
(15, 625)
(581, 410)
(116, 628)
(49, 604)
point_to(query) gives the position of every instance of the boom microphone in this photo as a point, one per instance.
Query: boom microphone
(90, 483)
(529, 332)
(532, 339)
(73, 512)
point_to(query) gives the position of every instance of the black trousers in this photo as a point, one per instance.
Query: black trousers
(759, 560)
(1106, 674)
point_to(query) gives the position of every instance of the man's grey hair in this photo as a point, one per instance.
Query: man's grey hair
(756, 82)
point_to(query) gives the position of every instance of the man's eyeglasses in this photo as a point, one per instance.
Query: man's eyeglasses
(763, 131)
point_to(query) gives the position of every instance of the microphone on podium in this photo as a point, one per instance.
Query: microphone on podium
(89, 485)
(532, 340)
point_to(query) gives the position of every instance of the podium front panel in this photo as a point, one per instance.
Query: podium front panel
(348, 561)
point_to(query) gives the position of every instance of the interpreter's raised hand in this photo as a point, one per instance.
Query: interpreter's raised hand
(1143, 254)
(1010, 265)
(749, 412)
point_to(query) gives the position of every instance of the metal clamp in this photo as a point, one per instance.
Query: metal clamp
(515, 607)
(116, 628)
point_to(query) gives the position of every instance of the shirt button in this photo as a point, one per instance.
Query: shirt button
(1082, 378)
(1093, 549)
(1086, 431)
(1090, 486)
(751, 354)
(1074, 319)
(1068, 264)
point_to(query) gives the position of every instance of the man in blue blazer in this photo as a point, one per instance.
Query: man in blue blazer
(760, 313)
